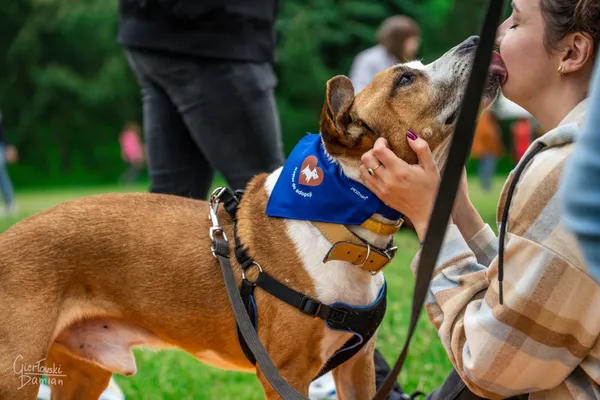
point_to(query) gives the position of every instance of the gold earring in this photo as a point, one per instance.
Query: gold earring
(561, 71)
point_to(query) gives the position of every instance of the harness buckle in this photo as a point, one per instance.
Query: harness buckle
(310, 306)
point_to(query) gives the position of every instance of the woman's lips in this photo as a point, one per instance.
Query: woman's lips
(498, 68)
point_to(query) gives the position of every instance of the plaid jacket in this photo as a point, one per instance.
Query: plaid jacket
(543, 339)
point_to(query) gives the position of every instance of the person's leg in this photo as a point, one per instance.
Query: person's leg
(229, 108)
(176, 165)
(132, 174)
(382, 369)
(244, 116)
(487, 166)
(6, 187)
(127, 175)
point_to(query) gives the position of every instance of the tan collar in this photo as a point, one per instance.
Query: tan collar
(349, 247)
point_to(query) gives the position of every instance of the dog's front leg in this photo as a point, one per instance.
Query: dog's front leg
(355, 379)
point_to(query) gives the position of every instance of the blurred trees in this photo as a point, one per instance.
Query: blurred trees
(66, 89)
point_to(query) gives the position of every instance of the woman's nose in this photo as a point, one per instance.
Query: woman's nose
(501, 31)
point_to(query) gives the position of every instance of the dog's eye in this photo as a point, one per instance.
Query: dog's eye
(406, 79)
(451, 118)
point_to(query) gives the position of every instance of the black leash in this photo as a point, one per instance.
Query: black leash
(444, 202)
(459, 149)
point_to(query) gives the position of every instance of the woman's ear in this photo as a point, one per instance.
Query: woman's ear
(579, 49)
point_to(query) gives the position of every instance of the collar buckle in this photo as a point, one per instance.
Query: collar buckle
(390, 252)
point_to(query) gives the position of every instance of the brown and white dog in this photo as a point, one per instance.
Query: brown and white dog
(83, 282)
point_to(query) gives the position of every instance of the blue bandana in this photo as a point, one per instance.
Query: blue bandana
(312, 188)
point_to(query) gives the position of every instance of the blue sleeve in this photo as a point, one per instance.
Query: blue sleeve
(581, 183)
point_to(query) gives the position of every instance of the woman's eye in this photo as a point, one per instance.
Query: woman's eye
(514, 26)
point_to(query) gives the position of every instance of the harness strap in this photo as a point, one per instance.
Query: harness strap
(280, 385)
(362, 322)
(231, 201)
(304, 303)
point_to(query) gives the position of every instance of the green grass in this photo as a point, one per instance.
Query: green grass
(176, 375)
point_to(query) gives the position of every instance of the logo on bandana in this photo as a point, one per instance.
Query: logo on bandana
(310, 174)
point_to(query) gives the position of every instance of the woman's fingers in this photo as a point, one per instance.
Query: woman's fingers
(387, 156)
(421, 148)
(369, 160)
(370, 181)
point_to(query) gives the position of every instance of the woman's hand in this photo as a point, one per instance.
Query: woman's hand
(407, 188)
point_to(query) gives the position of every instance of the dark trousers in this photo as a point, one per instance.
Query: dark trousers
(202, 116)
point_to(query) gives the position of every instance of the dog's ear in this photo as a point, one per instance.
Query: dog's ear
(335, 116)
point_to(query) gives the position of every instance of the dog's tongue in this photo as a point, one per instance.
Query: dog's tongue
(498, 68)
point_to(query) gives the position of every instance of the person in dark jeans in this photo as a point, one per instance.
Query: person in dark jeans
(207, 79)
(8, 154)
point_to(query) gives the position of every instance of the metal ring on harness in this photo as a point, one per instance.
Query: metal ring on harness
(253, 263)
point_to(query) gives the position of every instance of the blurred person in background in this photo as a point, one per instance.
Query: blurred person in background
(207, 79)
(522, 135)
(8, 155)
(132, 152)
(398, 40)
(487, 148)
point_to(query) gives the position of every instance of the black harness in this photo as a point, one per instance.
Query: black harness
(362, 322)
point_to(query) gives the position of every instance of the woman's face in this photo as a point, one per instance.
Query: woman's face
(530, 67)
(411, 47)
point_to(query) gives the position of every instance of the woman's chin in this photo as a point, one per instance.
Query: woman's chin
(508, 92)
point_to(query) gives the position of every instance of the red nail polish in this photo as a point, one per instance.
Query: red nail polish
(411, 135)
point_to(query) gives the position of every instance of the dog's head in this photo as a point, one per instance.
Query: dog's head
(421, 98)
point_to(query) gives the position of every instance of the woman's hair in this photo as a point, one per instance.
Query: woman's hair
(397, 28)
(563, 17)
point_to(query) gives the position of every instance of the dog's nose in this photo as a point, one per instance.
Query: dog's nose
(470, 43)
